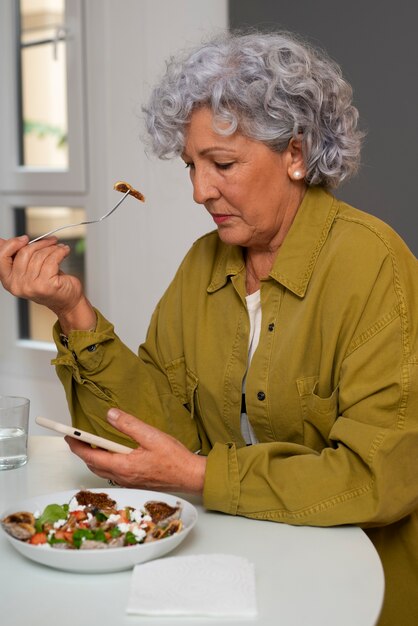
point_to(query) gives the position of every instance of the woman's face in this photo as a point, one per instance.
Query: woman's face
(247, 188)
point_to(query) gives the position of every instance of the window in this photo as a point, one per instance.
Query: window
(42, 118)
(42, 152)
(42, 88)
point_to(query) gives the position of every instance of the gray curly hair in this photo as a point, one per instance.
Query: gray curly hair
(271, 87)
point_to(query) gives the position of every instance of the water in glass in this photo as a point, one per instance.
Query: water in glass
(13, 445)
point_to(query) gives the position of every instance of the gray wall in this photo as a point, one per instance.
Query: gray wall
(376, 44)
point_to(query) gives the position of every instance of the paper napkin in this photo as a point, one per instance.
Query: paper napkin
(218, 585)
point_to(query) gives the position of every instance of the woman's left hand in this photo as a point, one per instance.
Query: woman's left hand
(159, 463)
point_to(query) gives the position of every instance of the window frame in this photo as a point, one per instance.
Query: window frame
(16, 178)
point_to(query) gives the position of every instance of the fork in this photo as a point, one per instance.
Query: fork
(55, 230)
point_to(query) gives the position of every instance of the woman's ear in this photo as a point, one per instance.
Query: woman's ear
(296, 164)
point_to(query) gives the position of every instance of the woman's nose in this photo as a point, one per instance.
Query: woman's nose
(204, 188)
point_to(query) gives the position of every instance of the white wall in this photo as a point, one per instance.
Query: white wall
(145, 242)
(133, 255)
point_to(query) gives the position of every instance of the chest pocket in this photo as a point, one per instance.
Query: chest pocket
(183, 383)
(318, 414)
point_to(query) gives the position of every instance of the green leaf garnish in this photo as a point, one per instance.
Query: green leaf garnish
(130, 538)
(52, 513)
(99, 535)
(81, 535)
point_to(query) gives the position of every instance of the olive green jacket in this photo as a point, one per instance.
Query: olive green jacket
(332, 391)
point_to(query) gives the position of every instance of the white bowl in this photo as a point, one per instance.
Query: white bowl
(112, 559)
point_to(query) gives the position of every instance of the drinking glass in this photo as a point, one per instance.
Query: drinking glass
(14, 420)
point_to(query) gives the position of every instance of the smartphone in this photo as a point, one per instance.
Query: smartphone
(94, 440)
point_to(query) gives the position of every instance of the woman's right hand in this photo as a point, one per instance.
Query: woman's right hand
(33, 272)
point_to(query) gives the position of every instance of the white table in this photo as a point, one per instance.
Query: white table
(305, 576)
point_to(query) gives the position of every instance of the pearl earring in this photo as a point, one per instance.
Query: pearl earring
(297, 174)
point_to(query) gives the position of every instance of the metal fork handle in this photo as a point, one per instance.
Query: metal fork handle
(55, 230)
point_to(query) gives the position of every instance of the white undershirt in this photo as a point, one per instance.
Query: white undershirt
(254, 313)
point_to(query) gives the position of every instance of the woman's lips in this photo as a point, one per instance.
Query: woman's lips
(219, 218)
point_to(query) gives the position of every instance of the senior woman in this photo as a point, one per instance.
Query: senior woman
(284, 352)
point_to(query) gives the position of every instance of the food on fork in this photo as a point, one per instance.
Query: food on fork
(92, 520)
(124, 187)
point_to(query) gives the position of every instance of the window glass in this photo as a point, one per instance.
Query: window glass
(43, 84)
(36, 321)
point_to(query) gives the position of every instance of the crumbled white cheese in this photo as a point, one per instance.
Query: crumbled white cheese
(136, 516)
(139, 533)
(124, 527)
(59, 523)
(132, 527)
(113, 518)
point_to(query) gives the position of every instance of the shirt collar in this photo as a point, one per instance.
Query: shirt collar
(299, 251)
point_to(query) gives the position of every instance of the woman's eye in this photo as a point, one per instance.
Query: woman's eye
(224, 166)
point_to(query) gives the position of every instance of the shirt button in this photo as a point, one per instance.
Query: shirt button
(271, 327)
(92, 348)
(261, 395)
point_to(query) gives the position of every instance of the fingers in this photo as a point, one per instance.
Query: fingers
(160, 460)
(86, 452)
(33, 272)
(21, 264)
(147, 436)
(8, 249)
(31, 257)
(99, 461)
(108, 465)
(31, 262)
(37, 269)
(158, 463)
